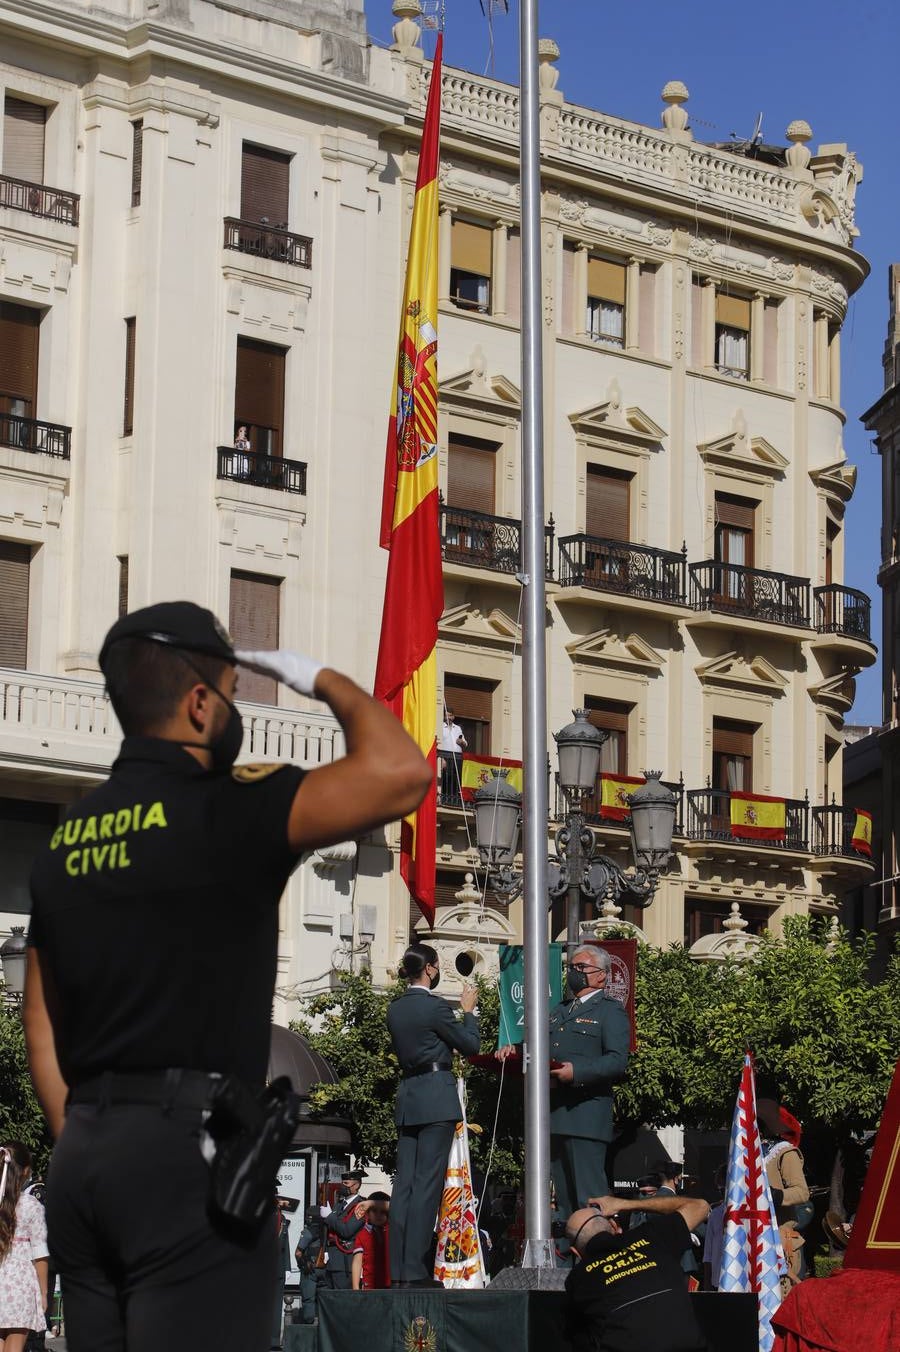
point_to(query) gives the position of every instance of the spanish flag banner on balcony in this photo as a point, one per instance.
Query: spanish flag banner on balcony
(477, 770)
(861, 839)
(756, 817)
(614, 791)
(406, 673)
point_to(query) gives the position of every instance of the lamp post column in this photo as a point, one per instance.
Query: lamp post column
(575, 863)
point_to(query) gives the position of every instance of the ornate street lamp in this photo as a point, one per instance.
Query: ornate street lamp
(578, 872)
(578, 747)
(498, 809)
(13, 957)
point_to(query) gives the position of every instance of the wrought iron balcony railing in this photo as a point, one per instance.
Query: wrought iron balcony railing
(610, 813)
(53, 204)
(834, 830)
(776, 598)
(842, 610)
(478, 540)
(449, 780)
(616, 566)
(264, 471)
(709, 817)
(30, 434)
(268, 241)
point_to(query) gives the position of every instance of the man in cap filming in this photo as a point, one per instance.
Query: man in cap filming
(151, 973)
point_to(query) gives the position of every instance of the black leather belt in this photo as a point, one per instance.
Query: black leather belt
(165, 1089)
(431, 1068)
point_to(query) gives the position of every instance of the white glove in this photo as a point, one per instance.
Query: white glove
(290, 668)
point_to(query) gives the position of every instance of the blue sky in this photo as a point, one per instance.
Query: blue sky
(833, 64)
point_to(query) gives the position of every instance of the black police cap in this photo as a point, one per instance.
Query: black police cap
(180, 624)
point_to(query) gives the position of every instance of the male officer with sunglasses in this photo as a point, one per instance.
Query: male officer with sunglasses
(151, 972)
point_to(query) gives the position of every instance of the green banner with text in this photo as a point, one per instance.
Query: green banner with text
(512, 989)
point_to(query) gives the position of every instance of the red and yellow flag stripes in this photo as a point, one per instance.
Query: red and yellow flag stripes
(406, 674)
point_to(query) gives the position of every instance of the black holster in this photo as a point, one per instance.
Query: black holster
(251, 1136)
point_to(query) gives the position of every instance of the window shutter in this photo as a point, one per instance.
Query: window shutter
(469, 697)
(19, 329)
(15, 561)
(471, 474)
(606, 281)
(567, 319)
(732, 511)
(265, 185)
(259, 390)
(514, 276)
(123, 585)
(731, 738)
(137, 161)
(23, 139)
(612, 717)
(733, 311)
(253, 617)
(128, 415)
(471, 248)
(608, 504)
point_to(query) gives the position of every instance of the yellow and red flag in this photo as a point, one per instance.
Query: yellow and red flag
(861, 839)
(614, 792)
(754, 816)
(406, 673)
(479, 770)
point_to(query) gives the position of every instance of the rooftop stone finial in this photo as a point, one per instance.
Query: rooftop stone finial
(798, 133)
(735, 924)
(548, 52)
(674, 117)
(407, 33)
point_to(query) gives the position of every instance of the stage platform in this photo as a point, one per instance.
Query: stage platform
(484, 1321)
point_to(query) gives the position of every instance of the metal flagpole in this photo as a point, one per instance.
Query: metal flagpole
(538, 1245)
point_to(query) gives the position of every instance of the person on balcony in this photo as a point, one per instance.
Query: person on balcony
(243, 447)
(452, 745)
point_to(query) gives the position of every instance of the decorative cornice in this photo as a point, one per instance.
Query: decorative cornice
(609, 421)
(749, 673)
(606, 647)
(467, 623)
(755, 455)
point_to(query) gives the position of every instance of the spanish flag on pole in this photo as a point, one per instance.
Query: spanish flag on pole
(406, 674)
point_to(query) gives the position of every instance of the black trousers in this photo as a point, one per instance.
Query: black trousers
(422, 1154)
(143, 1267)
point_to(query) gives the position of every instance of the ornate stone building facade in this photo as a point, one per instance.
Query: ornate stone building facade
(203, 218)
(884, 420)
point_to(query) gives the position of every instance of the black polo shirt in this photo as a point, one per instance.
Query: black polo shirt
(156, 905)
(629, 1294)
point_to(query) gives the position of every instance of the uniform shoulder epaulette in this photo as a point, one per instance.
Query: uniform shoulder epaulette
(252, 774)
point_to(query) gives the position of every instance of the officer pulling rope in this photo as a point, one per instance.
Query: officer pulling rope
(151, 974)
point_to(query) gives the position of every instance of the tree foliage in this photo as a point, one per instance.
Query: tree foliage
(803, 1005)
(21, 1118)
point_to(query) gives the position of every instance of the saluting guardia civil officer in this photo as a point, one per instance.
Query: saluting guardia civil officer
(151, 973)
(590, 1035)
(425, 1032)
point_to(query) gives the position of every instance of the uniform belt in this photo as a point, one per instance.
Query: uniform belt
(164, 1088)
(429, 1068)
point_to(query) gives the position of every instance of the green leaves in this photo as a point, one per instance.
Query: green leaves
(21, 1118)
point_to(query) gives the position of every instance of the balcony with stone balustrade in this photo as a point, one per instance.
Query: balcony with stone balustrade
(57, 729)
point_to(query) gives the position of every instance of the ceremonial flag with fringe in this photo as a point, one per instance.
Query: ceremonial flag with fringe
(614, 792)
(862, 832)
(406, 673)
(458, 1261)
(756, 817)
(752, 1256)
(479, 770)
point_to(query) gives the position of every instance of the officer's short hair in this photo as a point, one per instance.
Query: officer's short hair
(599, 955)
(146, 681)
